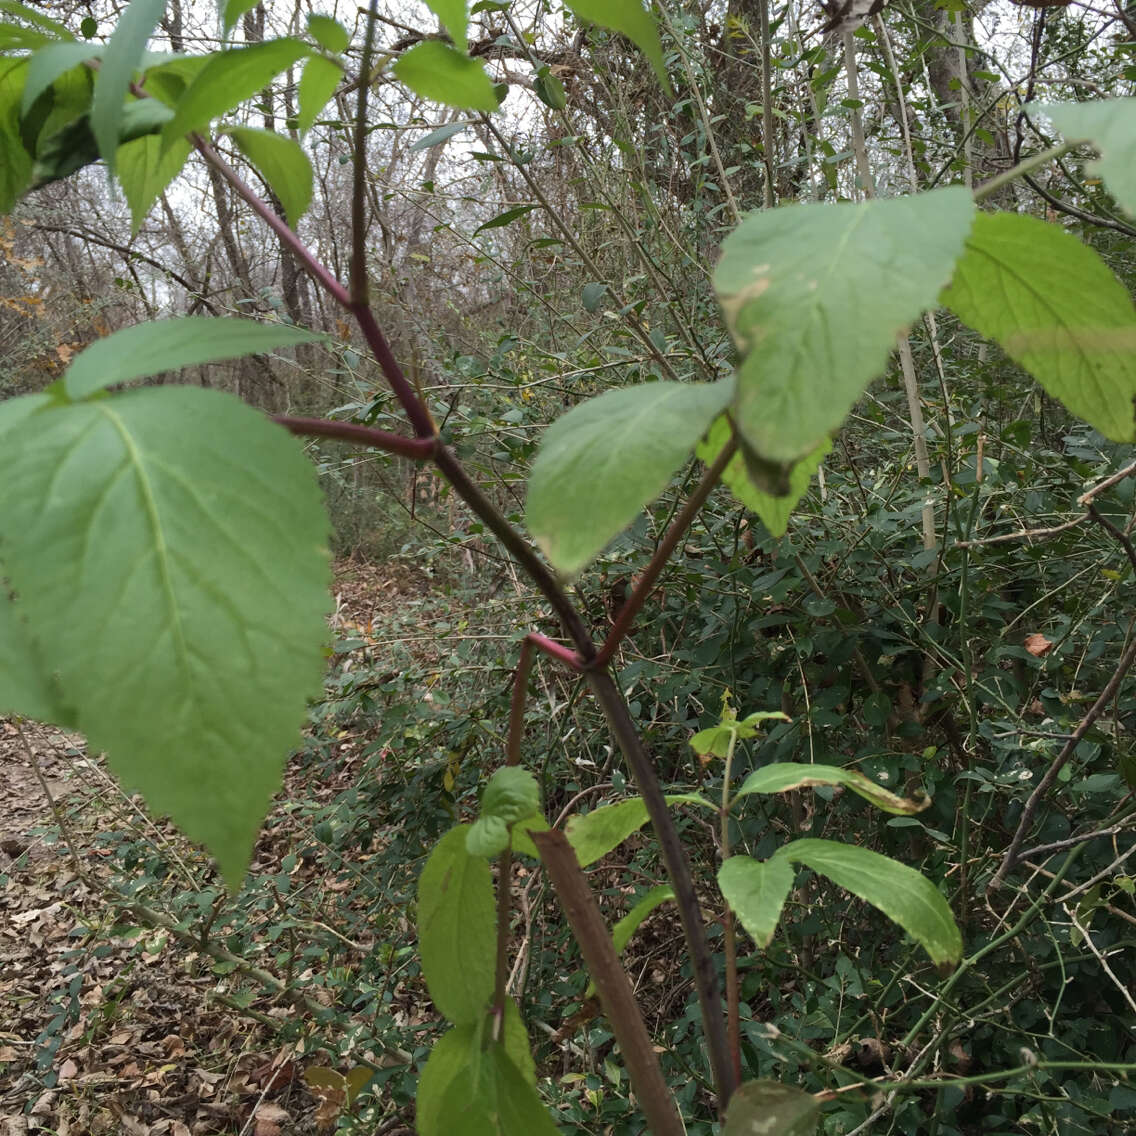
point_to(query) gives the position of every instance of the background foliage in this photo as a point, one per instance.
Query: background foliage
(522, 263)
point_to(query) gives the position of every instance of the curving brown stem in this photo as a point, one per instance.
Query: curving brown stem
(612, 983)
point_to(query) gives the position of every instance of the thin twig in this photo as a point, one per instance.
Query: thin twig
(1108, 483)
(1024, 534)
(1013, 853)
(1124, 991)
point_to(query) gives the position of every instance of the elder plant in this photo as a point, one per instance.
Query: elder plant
(163, 549)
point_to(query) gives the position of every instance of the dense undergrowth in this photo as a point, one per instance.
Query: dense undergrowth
(826, 624)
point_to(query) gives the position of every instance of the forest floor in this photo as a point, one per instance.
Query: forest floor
(107, 1028)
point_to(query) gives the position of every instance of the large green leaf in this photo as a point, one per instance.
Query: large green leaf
(459, 1050)
(329, 33)
(593, 835)
(454, 19)
(120, 60)
(227, 80)
(771, 1108)
(170, 344)
(1110, 125)
(774, 512)
(756, 891)
(74, 146)
(50, 62)
(1054, 307)
(629, 18)
(900, 892)
(27, 15)
(607, 458)
(233, 10)
(15, 161)
(145, 169)
(317, 84)
(26, 685)
(783, 776)
(438, 72)
(814, 296)
(283, 165)
(493, 1098)
(168, 549)
(457, 932)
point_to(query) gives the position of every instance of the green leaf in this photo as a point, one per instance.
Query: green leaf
(437, 137)
(330, 34)
(168, 82)
(900, 892)
(549, 89)
(607, 458)
(282, 163)
(592, 295)
(168, 549)
(317, 84)
(1110, 125)
(493, 1098)
(438, 72)
(488, 837)
(449, 1058)
(456, 1052)
(593, 835)
(629, 18)
(227, 80)
(511, 794)
(771, 1108)
(120, 60)
(170, 344)
(783, 776)
(774, 512)
(629, 924)
(456, 929)
(74, 146)
(756, 891)
(16, 35)
(715, 740)
(26, 686)
(50, 62)
(814, 296)
(15, 161)
(1055, 308)
(144, 172)
(233, 11)
(452, 13)
(505, 218)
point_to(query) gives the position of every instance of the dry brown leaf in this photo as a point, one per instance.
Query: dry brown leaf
(1038, 645)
